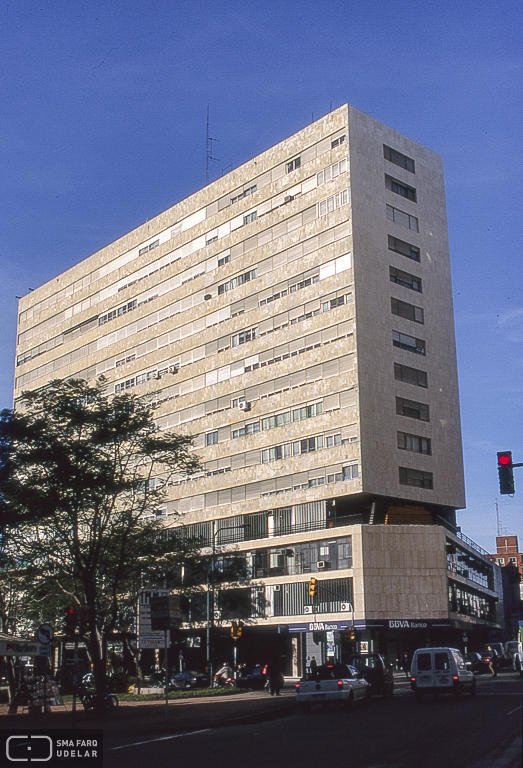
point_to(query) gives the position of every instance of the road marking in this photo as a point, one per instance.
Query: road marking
(515, 710)
(160, 738)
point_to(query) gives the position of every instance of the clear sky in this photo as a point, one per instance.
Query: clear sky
(103, 123)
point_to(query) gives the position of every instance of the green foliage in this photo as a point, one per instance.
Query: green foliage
(82, 479)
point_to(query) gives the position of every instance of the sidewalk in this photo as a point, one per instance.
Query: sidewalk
(149, 717)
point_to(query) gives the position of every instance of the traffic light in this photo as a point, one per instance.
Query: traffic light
(239, 629)
(312, 587)
(506, 473)
(83, 626)
(71, 621)
(234, 630)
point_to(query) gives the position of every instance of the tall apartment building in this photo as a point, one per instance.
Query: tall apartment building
(297, 315)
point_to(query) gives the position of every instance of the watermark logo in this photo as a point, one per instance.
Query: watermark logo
(55, 748)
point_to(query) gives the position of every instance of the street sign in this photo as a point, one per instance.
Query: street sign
(19, 648)
(146, 637)
(45, 633)
(45, 649)
(165, 612)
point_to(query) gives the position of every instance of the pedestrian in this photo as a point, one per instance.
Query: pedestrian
(406, 664)
(313, 667)
(275, 679)
(493, 660)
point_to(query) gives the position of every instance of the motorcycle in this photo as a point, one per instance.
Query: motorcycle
(87, 694)
(220, 682)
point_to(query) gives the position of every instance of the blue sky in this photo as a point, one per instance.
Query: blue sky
(103, 118)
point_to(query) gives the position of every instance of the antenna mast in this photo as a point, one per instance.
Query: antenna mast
(208, 149)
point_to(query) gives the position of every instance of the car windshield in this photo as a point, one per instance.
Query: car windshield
(333, 672)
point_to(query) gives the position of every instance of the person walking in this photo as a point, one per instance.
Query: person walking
(493, 660)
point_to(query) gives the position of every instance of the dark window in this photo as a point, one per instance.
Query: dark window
(337, 142)
(416, 478)
(293, 164)
(406, 249)
(424, 662)
(400, 189)
(414, 443)
(224, 260)
(409, 311)
(412, 408)
(409, 343)
(410, 375)
(393, 156)
(405, 278)
(211, 438)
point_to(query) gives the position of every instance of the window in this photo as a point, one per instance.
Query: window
(245, 193)
(402, 218)
(333, 203)
(124, 360)
(307, 411)
(211, 240)
(250, 217)
(211, 438)
(399, 188)
(408, 311)
(416, 478)
(410, 375)
(244, 336)
(293, 164)
(332, 172)
(224, 260)
(409, 343)
(338, 141)
(405, 279)
(148, 247)
(406, 249)
(248, 429)
(239, 280)
(349, 473)
(414, 443)
(393, 156)
(117, 312)
(412, 409)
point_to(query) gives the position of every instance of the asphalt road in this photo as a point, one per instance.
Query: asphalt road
(484, 732)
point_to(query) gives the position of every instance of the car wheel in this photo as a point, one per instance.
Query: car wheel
(388, 692)
(473, 690)
(111, 702)
(350, 701)
(458, 693)
(418, 696)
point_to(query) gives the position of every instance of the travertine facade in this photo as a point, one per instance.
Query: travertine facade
(296, 314)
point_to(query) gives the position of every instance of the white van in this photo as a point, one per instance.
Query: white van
(440, 670)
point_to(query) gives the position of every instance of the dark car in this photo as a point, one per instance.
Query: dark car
(190, 679)
(251, 679)
(377, 671)
(476, 663)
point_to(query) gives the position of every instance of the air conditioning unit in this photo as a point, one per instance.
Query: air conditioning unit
(288, 198)
(277, 588)
(244, 406)
(217, 615)
(346, 607)
(307, 609)
(322, 565)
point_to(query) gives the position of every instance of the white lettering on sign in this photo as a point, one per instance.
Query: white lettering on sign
(317, 626)
(405, 624)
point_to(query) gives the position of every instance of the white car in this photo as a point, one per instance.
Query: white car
(332, 684)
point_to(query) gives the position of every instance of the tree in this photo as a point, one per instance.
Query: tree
(83, 477)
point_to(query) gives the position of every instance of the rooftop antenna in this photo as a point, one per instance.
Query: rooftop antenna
(208, 149)
(501, 530)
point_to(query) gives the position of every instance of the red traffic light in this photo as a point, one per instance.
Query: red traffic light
(505, 459)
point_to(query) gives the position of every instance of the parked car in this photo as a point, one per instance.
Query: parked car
(377, 671)
(475, 663)
(190, 679)
(440, 670)
(332, 684)
(252, 679)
